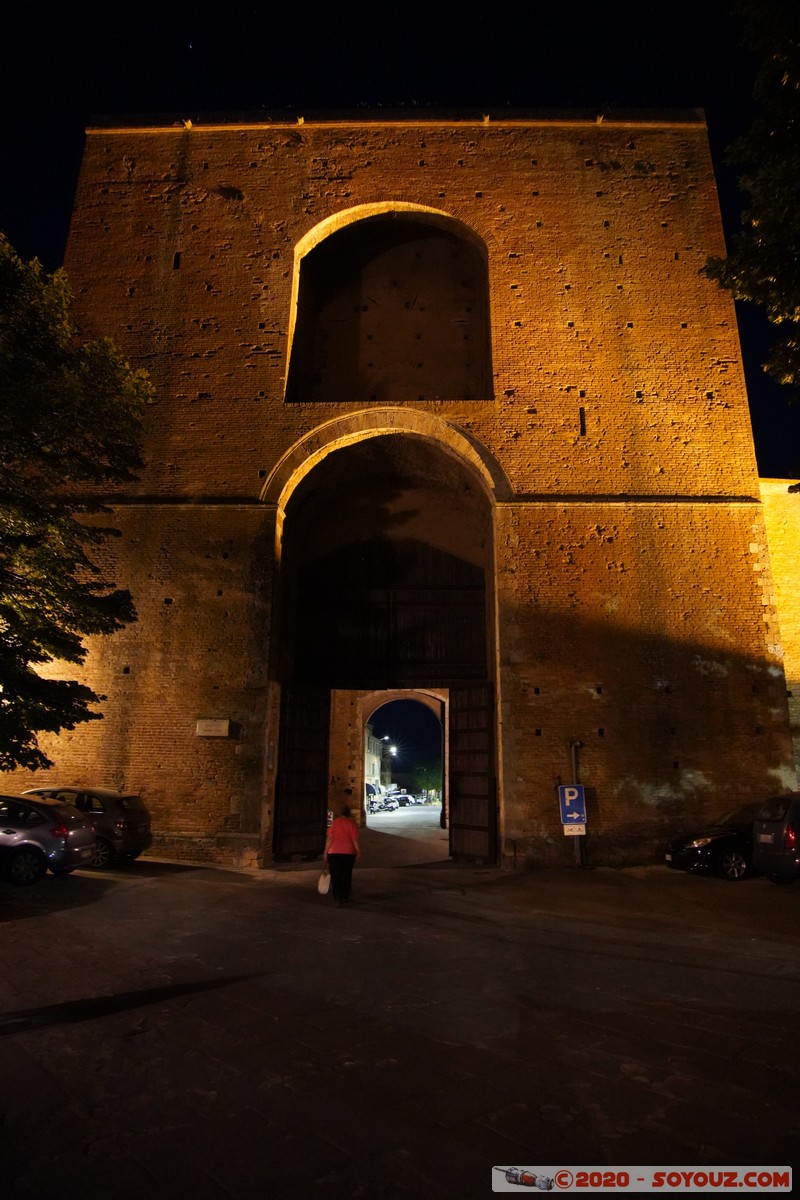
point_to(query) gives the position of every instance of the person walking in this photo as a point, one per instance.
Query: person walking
(341, 851)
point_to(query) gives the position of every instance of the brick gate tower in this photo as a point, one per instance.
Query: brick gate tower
(444, 407)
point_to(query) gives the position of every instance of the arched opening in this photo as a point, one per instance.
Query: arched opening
(404, 755)
(387, 553)
(387, 587)
(392, 308)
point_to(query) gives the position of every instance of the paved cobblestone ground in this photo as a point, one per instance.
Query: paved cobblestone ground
(193, 1033)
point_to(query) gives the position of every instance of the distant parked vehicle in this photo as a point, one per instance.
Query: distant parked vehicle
(38, 834)
(724, 846)
(121, 820)
(390, 803)
(776, 839)
(404, 799)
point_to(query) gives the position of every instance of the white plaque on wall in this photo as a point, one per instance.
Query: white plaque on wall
(211, 728)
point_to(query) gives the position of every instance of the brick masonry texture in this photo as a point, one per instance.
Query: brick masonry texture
(631, 605)
(781, 508)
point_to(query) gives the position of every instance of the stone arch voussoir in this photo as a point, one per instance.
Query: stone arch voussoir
(354, 427)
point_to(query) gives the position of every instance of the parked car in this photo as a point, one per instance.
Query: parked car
(724, 846)
(38, 834)
(121, 820)
(776, 839)
(404, 799)
(390, 803)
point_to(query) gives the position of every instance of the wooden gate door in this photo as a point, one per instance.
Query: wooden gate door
(472, 805)
(301, 800)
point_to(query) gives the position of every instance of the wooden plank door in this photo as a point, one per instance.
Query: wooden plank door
(301, 801)
(471, 776)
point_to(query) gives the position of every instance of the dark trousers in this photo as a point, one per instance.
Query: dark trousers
(341, 867)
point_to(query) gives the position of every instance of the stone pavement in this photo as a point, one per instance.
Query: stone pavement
(186, 1032)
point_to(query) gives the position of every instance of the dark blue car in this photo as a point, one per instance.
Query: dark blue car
(724, 846)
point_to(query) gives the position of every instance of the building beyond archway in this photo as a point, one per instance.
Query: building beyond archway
(469, 422)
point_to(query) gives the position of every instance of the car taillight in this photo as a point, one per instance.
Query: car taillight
(790, 838)
(59, 830)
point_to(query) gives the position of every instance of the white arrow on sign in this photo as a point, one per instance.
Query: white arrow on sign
(575, 816)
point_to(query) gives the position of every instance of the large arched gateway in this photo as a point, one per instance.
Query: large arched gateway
(386, 583)
(443, 408)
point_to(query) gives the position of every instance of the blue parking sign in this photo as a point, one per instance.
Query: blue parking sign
(573, 804)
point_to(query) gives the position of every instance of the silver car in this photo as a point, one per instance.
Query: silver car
(38, 834)
(120, 820)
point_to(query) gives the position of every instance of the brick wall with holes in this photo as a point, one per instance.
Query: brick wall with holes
(781, 506)
(630, 608)
(615, 364)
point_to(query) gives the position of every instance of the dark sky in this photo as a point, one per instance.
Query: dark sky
(60, 67)
(412, 728)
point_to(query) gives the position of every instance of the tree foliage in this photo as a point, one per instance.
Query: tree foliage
(426, 774)
(764, 264)
(70, 422)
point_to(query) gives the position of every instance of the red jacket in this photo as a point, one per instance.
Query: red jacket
(342, 836)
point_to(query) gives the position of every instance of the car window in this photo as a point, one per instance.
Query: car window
(131, 803)
(88, 803)
(8, 811)
(63, 795)
(32, 816)
(775, 809)
(20, 815)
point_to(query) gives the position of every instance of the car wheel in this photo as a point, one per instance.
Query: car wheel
(733, 865)
(26, 866)
(103, 854)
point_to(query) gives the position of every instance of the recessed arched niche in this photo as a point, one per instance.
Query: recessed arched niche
(391, 308)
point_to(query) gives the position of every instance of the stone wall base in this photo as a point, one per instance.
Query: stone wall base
(224, 849)
(633, 850)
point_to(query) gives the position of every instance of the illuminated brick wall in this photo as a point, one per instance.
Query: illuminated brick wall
(631, 604)
(782, 521)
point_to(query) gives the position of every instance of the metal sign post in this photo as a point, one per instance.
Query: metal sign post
(572, 799)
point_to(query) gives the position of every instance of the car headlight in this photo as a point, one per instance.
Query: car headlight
(698, 842)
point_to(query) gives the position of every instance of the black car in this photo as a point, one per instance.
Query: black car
(725, 846)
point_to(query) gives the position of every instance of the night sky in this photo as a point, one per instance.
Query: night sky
(412, 729)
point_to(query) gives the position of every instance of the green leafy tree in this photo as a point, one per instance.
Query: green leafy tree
(70, 423)
(764, 264)
(427, 775)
